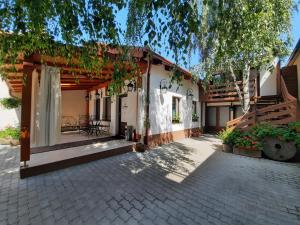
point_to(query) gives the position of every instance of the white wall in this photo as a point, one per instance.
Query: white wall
(74, 103)
(161, 103)
(8, 117)
(129, 109)
(268, 80)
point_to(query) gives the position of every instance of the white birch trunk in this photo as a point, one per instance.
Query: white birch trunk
(245, 96)
(246, 83)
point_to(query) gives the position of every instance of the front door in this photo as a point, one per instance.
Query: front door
(122, 125)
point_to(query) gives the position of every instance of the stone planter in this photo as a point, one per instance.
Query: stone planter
(247, 151)
(227, 148)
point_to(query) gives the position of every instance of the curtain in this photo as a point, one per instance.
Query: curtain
(34, 103)
(49, 107)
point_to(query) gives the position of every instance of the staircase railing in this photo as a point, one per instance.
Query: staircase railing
(279, 114)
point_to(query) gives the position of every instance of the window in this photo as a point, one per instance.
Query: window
(194, 107)
(106, 109)
(175, 109)
(195, 116)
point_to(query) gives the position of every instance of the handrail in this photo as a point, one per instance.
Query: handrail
(284, 91)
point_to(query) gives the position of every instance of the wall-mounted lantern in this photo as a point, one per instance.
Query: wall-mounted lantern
(189, 94)
(131, 86)
(163, 85)
(97, 95)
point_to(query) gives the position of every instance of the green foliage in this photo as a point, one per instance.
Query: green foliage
(268, 130)
(255, 136)
(176, 118)
(10, 132)
(229, 135)
(295, 126)
(59, 28)
(195, 117)
(248, 140)
(242, 34)
(10, 103)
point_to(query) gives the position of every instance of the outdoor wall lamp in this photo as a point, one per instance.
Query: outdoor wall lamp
(131, 87)
(88, 97)
(163, 85)
(189, 94)
(97, 95)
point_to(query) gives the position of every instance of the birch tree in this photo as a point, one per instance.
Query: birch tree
(243, 34)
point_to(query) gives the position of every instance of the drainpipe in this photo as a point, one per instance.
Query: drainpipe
(147, 120)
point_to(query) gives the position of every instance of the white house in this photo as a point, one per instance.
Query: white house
(59, 109)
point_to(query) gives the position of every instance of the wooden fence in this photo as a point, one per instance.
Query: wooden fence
(227, 92)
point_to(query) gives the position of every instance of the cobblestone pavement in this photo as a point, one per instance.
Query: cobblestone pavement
(186, 182)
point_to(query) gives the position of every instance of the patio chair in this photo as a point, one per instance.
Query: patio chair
(104, 127)
(94, 127)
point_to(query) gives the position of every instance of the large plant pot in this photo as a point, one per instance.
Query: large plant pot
(227, 148)
(279, 150)
(247, 151)
(139, 147)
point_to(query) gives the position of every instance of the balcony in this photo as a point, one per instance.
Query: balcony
(226, 92)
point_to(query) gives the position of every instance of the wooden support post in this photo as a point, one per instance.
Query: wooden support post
(147, 113)
(26, 113)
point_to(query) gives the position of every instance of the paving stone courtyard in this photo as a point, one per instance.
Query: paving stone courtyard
(186, 182)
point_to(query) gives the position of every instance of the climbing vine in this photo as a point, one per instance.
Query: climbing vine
(73, 29)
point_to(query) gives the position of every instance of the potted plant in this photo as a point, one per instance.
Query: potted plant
(175, 118)
(247, 145)
(195, 117)
(10, 103)
(227, 136)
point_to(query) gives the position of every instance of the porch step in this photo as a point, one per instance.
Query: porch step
(58, 159)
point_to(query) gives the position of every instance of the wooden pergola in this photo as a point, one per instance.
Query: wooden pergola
(19, 79)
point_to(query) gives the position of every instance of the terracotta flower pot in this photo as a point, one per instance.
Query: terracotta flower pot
(140, 147)
(247, 151)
